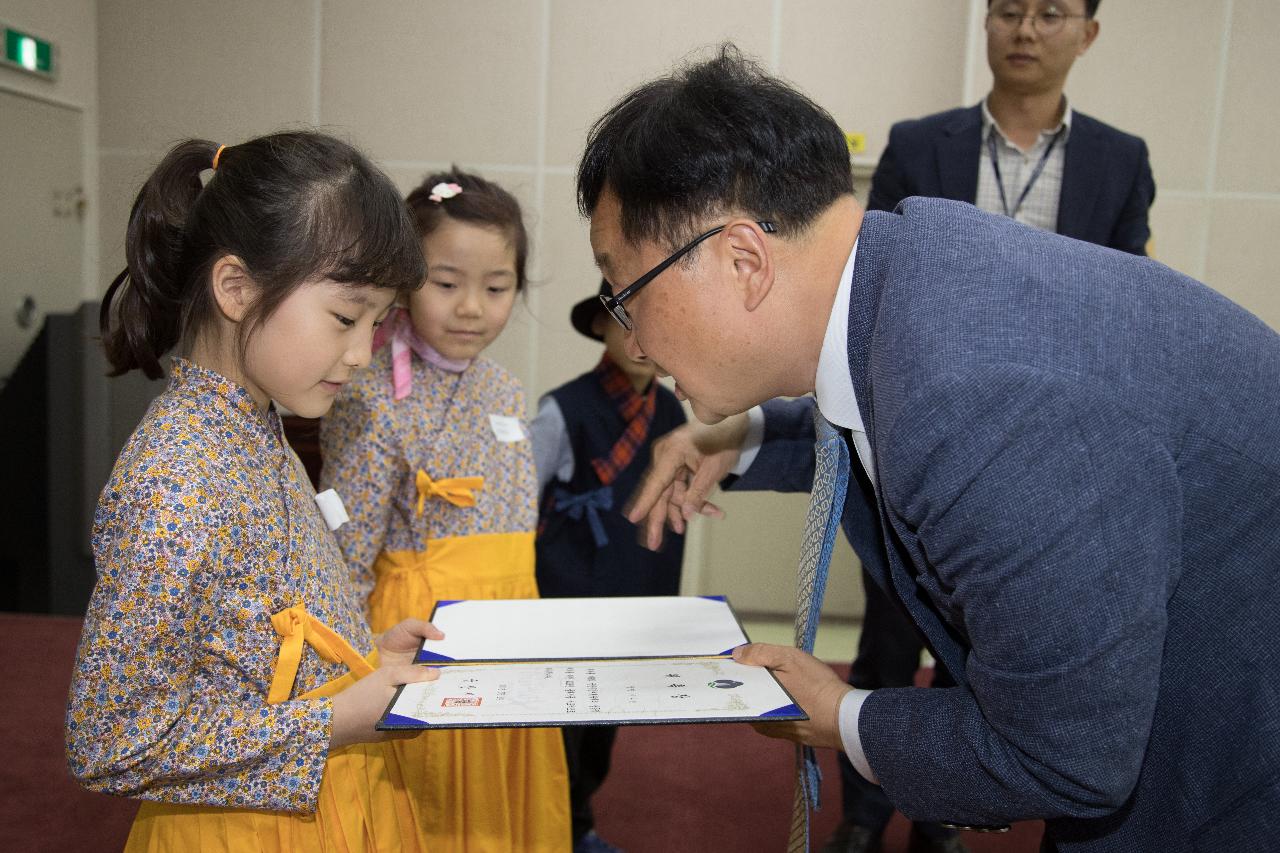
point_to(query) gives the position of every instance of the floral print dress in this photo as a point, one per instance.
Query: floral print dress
(210, 553)
(442, 494)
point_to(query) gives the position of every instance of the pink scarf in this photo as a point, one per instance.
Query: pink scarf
(398, 328)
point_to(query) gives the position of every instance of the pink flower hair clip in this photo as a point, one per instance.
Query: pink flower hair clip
(442, 191)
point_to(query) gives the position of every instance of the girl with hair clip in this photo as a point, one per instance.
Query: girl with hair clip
(430, 452)
(226, 674)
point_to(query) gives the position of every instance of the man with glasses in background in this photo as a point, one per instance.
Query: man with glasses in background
(1022, 153)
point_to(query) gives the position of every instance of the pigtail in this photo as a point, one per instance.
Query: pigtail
(291, 207)
(144, 312)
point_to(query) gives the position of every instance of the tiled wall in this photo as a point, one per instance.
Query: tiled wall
(510, 87)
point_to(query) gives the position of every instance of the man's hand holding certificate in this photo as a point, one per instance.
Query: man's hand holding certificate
(588, 661)
(814, 685)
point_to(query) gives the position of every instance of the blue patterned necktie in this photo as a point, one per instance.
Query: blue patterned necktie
(826, 505)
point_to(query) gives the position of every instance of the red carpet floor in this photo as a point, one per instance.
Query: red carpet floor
(41, 808)
(673, 789)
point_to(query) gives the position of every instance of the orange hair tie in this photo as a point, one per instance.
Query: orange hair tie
(216, 155)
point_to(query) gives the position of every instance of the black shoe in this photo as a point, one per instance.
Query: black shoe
(592, 843)
(921, 843)
(851, 838)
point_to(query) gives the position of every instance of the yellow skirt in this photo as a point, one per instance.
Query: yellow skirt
(363, 804)
(363, 807)
(485, 790)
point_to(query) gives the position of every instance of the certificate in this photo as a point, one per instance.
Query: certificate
(587, 661)
(589, 692)
(562, 629)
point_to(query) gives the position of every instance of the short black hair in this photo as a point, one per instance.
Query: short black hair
(714, 136)
(1090, 7)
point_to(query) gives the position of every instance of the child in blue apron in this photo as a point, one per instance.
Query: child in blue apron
(591, 443)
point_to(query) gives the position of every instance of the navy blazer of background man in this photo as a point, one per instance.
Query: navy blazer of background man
(1107, 185)
(1078, 501)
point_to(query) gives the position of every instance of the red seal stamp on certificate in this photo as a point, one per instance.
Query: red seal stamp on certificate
(460, 702)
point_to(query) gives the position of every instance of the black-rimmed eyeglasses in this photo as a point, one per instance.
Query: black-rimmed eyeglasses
(613, 304)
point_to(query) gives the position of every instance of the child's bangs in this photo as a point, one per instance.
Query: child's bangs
(362, 234)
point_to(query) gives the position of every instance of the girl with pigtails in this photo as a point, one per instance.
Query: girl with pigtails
(226, 674)
(430, 451)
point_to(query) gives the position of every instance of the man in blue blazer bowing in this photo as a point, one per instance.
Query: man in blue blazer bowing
(1023, 152)
(1071, 462)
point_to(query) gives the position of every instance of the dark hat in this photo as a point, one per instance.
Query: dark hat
(584, 313)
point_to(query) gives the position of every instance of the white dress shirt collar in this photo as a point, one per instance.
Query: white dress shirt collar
(989, 125)
(833, 387)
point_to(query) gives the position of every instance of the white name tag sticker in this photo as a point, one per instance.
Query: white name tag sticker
(506, 428)
(335, 514)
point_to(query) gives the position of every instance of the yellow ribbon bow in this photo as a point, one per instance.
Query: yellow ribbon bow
(296, 626)
(459, 491)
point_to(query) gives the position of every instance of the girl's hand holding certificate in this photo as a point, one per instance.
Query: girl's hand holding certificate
(360, 706)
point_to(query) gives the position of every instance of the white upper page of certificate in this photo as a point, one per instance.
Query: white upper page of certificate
(551, 629)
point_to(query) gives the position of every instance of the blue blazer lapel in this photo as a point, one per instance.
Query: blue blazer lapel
(957, 151)
(1083, 174)
(875, 245)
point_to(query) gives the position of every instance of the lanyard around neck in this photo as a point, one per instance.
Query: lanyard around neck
(1026, 189)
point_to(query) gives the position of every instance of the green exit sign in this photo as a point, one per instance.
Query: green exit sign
(25, 51)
